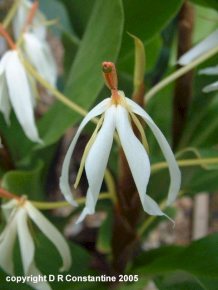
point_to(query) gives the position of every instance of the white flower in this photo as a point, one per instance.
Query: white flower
(203, 47)
(37, 26)
(16, 91)
(117, 112)
(39, 54)
(17, 213)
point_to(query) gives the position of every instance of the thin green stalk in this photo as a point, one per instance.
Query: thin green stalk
(185, 163)
(58, 204)
(9, 17)
(180, 72)
(110, 185)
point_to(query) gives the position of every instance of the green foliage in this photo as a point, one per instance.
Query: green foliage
(207, 3)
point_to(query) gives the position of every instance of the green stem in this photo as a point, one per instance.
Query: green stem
(9, 17)
(58, 204)
(110, 185)
(185, 163)
(180, 72)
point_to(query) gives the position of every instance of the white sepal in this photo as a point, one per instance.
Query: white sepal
(64, 179)
(175, 174)
(52, 234)
(99, 152)
(202, 47)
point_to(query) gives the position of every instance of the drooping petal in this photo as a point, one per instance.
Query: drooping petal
(175, 174)
(20, 96)
(41, 285)
(25, 239)
(137, 159)
(97, 159)
(7, 242)
(209, 71)
(210, 88)
(64, 179)
(20, 18)
(52, 234)
(202, 47)
(40, 55)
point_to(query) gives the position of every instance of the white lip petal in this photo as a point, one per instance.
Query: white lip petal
(208, 43)
(20, 96)
(209, 71)
(7, 242)
(97, 159)
(175, 174)
(52, 234)
(210, 88)
(25, 239)
(39, 54)
(64, 179)
(137, 159)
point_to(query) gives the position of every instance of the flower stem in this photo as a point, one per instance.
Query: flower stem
(59, 96)
(11, 14)
(58, 204)
(110, 185)
(180, 72)
(185, 163)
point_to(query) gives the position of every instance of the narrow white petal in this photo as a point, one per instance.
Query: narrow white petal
(25, 239)
(137, 159)
(202, 47)
(209, 71)
(175, 174)
(211, 88)
(7, 242)
(64, 179)
(40, 55)
(33, 270)
(52, 234)
(20, 96)
(97, 159)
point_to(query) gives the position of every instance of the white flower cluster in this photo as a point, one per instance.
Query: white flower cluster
(17, 87)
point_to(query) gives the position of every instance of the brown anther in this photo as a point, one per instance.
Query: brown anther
(6, 194)
(31, 14)
(7, 37)
(110, 75)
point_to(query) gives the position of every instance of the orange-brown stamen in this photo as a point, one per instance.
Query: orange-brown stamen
(110, 77)
(8, 38)
(6, 194)
(31, 14)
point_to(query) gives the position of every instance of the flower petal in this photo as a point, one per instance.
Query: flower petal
(97, 159)
(209, 71)
(20, 96)
(175, 174)
(202, 47)
(210, 88)
(34, 271)
(25, 239)
(137, 159)
(19, 21)
(7, 242)
(64, 179)
(39, 54)
(52, 234)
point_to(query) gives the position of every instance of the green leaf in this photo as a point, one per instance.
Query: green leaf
(145, 19)
(105, 234)
(207, 3)
(25, 182)
(56, 10)
(85, 80)
(199, 258)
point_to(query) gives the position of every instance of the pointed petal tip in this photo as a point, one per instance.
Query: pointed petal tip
(83, 215)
